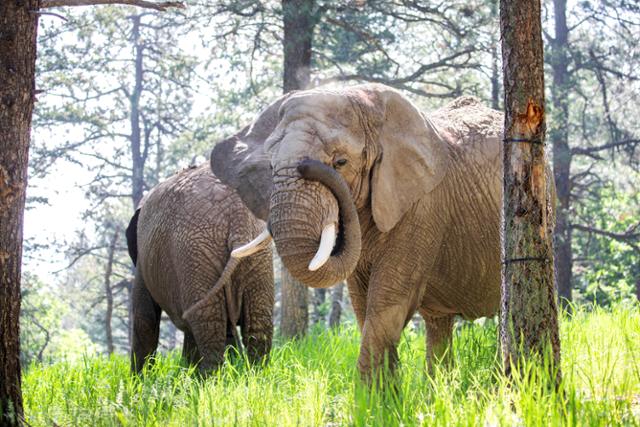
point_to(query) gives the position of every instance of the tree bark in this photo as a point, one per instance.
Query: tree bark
(299, 18)
(108, 291)
(529, 319)
(138, 157)
(18, 31)
(495, 59)
(295, 307)
(319, 297)
(561, 152)
(336, 305)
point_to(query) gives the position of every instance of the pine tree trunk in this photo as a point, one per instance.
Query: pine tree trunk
(18, 30)
(336, 305)
(138, 155)
(529, 319)
(108, 291)
(299, 20)
(319, 297)
(495, 59)
(561, 152)
(295, 307)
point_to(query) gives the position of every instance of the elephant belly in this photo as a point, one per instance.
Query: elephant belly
(465, 281)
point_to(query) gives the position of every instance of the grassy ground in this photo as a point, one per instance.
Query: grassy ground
(313, 382)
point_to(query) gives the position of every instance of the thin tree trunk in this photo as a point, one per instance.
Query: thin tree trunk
(529, 318)
(299, 19)
(18, 30)
(495, 59)
(295, 307)
(137, 155)
(559, 134)
(108, 291)
(319, 297)
(336, 305)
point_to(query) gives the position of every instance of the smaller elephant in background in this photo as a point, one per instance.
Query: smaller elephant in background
(180, 239)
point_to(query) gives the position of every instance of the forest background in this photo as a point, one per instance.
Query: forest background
(128, 97)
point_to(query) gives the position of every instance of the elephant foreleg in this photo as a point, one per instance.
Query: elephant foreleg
(439, 339)
(146, 325)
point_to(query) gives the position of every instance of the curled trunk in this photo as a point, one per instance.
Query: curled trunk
(299, 211)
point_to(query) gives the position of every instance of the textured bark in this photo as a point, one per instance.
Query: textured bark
(529, 320)
(299, 22)
(18, 29)
(336, 305)
(138, 157)
(319, 297)
(559, 135)
(295, 311)
(108, 291)
(495, 60)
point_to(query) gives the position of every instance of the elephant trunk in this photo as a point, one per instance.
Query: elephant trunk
(305, 216)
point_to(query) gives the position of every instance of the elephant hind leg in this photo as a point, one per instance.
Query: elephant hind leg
(146, 325)
(190, 351)
(439, 339)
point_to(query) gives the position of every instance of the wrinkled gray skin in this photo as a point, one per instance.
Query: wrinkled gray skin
(417, 203)
(186, 229)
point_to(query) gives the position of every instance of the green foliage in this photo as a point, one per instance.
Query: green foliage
(314, 382)
(40, 317)
(607, 269)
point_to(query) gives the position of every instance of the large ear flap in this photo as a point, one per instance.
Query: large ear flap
(413, 161)
(242, 162)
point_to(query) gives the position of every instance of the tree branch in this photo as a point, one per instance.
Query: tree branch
(629, 237)
(162, 6)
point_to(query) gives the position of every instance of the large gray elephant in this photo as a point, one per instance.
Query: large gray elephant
(357, 183)
(180, 240)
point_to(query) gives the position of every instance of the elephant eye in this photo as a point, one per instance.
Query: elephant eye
(339, 163)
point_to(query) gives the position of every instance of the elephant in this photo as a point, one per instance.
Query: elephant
(356, 183)
(180, 239)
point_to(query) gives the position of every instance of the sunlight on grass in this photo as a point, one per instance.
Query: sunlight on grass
(314, 382)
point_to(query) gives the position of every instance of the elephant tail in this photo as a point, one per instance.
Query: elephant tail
(223, 281)
(132, 237)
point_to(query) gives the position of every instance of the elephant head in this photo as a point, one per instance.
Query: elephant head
(314, 162)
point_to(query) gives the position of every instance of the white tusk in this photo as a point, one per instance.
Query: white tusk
(327, 241)
(253, 246)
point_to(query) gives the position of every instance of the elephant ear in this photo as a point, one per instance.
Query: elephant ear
(413, 161)
(242, 162)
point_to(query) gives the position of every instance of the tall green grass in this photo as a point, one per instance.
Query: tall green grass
(314, 382)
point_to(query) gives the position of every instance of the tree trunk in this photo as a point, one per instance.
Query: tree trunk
(18, 30)
(336, 305)
(561, 152)
(319, 297)
(108, 291)
(495, 59)
(299, 19)
(138, 157)
(295, 310)
(529, 318)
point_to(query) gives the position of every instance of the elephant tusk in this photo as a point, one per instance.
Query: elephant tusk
(253, 246)
(327, 241)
